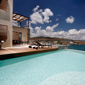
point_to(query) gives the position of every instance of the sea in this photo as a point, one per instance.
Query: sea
(77, 47)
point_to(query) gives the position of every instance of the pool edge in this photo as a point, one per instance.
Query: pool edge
(14, 55)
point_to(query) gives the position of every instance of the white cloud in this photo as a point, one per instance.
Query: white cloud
(30, 27)
(76, 34)
(70, 34)
(50, 21)
(46, 19)
(82, 31)
(15, 23)
(37, 28)
(51, 29)
(83, 37)
(41, 33)
(57, 19)
(40, 10)
(70, 19)
(32, 34)
(61, 32)
(47, 13)
(36, 8)
(36, 18)
(55, 25)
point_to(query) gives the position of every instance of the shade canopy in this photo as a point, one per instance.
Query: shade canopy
(18, 17)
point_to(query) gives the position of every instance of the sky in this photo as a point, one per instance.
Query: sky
(53, 18)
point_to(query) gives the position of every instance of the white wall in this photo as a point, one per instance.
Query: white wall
(6, 19)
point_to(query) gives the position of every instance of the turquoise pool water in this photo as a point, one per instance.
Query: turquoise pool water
(62, 67)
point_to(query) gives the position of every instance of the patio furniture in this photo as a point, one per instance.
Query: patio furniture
(33, 46)
(39, 44)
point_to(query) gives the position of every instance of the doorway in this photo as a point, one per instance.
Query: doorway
(20, 37)
(17, 38)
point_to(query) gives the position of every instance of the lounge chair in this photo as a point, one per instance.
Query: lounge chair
(33, 46)
(39, 44)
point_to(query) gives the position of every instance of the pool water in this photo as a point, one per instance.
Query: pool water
(62, 67)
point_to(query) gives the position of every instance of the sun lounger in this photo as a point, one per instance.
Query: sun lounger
(33, 46)
(39, 44)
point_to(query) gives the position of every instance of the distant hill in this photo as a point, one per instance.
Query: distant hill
(83, 40)
(49, 38)
(76, 42)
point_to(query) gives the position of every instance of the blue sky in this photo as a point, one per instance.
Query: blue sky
(54, 18)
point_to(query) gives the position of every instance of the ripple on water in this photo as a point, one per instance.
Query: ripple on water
(65, 78)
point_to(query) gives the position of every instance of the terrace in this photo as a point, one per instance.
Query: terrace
(14, 39)
(11, 52)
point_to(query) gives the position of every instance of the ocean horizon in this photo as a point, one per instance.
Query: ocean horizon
(77, 47)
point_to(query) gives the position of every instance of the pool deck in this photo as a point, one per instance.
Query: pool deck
(13, 52)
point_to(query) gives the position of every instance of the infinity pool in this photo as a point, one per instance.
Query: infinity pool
(62, 67)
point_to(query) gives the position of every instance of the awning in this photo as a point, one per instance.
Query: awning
(18, 17)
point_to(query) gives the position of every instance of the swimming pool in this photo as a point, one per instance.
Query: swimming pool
(62, 67)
